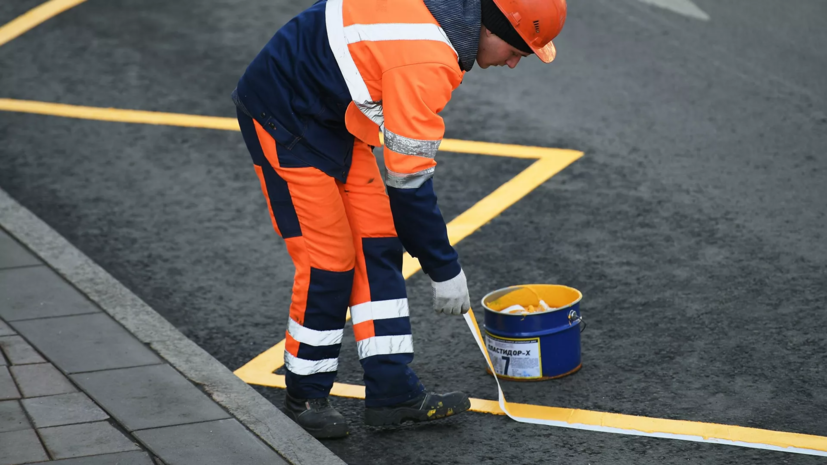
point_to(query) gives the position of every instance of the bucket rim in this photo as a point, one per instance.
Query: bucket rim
(577, 301)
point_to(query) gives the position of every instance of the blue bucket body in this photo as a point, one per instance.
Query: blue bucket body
(535, 346)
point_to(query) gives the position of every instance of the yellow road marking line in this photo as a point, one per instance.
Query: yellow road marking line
(119, 116)
(33, 18)
(499, 150)
(602, 421)
(231, 124)
(261, 367)
(646, 426)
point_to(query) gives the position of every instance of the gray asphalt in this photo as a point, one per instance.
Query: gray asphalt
(694, 225)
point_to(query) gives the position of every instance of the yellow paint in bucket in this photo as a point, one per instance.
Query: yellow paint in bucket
(540, 340)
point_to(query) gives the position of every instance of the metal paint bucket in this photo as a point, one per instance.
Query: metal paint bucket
(535, 346)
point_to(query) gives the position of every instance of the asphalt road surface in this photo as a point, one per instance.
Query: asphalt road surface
(695, 224)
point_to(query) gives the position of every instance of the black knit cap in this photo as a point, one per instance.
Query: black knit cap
(495, 21)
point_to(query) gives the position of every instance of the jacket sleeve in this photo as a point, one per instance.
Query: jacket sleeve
(412, 98)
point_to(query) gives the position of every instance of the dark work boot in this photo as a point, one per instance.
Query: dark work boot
(425, 407)
(317, 417)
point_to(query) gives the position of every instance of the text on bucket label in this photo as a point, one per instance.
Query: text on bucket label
(515, 358)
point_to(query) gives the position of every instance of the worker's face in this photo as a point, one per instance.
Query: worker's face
(494, 51)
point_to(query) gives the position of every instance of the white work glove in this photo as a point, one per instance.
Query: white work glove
(451, 297)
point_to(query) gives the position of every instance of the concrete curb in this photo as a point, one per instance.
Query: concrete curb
(249, 407)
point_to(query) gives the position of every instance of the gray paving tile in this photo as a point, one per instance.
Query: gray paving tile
(38, 292)
(5, 330)
(18, 351)
(149, 397)
(8, 390)
(14, 254)
(3, 361)
(12, 417)
(21, 447)
(85, 439)
(211, 443)
(63, 409)
(123, 458)
(85, 343)
(41, 379)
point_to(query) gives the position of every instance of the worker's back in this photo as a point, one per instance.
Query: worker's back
(377, 42)
(307, 77)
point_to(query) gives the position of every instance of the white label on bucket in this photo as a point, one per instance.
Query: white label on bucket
(517, 358)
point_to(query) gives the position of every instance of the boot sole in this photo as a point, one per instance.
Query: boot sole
(329, 432)
(402, 415)
(334, 431)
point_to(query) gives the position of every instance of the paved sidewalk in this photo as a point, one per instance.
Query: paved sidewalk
(77, 388)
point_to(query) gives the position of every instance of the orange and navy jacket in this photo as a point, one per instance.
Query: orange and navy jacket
(346, 69)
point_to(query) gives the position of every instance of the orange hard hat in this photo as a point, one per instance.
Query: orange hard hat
(537, 22)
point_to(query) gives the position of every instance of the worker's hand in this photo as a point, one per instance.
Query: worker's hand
(451, 297)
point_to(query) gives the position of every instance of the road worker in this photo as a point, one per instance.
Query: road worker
(311, 106)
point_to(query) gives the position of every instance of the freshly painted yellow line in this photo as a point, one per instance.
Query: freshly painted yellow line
(646, 426)
(34, 17)
(499, 150)
(230, 124)
(626, 424)
(261, 367)
(120, 116)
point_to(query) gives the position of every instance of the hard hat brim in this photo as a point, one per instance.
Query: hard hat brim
(547, 53)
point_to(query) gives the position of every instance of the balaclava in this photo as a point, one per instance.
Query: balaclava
(495, 21)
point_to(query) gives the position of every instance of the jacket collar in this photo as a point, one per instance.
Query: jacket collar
(460, 19)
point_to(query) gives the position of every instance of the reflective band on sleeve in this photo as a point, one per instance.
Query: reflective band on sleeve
(408, 146)
(396, 31)
(374, 111)
(385, 345)
(300, 366)
(408, 181)
(312, 336)
(380, 310)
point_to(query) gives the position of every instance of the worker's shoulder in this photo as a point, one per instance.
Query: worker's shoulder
(386, 12)
(399, 35)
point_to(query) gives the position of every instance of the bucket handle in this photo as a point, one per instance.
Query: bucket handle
(574, 317)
